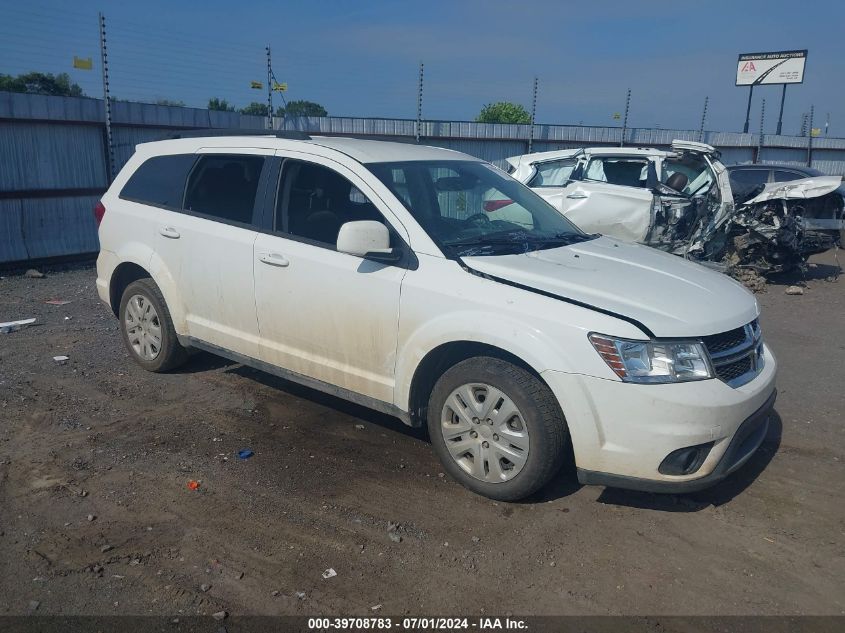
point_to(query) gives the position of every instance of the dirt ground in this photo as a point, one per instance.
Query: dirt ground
(96, 516)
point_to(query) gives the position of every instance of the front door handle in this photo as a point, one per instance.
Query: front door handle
(169, 231)
(274, 259)
(578, 195)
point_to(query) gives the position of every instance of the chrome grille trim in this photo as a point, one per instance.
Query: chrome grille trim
(745, 356)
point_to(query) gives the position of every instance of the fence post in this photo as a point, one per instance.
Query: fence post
(625, 122)
(104, 60)
(418, 126)
(810, 139)
(703, 118)
(269, 91)
(533, 114)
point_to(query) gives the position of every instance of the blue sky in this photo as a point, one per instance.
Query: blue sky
(361, 58)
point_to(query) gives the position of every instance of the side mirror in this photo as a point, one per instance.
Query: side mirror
(366, 238)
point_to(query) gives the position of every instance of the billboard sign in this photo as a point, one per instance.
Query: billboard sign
(782, 67)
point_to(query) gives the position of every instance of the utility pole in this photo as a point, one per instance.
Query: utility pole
(703, 118)
(625, 122)
(104, 59)
(810, 138)
(748, 109)
(760, 136)
(533, 114)
(418, 126)
(780, 116)
(269, 91)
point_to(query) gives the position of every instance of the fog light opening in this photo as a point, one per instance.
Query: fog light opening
(685, 461)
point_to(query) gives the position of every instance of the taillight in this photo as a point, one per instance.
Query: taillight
(99, 212)
(494, 205)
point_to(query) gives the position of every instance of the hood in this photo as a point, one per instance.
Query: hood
(672, 297)
(803, 188)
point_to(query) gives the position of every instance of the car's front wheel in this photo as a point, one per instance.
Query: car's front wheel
(497, 428)
(147, 328)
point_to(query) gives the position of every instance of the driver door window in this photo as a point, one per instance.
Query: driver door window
(313, 202)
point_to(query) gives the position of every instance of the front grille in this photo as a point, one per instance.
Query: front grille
(737, 355)
(725, 341)
(731, 371)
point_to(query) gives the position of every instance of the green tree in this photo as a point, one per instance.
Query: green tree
(503, 112)
(256, 109)
(220, 104)
(42, 84)
(303, 108)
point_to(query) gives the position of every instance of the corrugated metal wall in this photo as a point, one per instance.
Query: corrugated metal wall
(53, 158)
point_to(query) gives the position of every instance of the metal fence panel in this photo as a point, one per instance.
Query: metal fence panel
(49, 156)
(53, 227)
(12, 248)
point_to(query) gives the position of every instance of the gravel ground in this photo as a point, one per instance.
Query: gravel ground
(96, 516)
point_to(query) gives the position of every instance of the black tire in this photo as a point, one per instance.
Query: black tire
(171, 354)
(539, 409)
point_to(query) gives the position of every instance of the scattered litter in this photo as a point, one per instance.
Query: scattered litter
(13, 326)
(57, 302)
(91, 517)
(475, 539)
(441, 475)
(118, 576)
(135, 562)
(275, 593)
(220, 615)
(33, 605)
(300, 595)
(552, 564)
(245, 453)
(394, 537)
(61, 360)
(193, 484)
(375, 607)
(239, 575)
(795, 290)
(360, 427)
(205, 587)
(329, 573)
(770, 540)
(106, 548)
(34, 274)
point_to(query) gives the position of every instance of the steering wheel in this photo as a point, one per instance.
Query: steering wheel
(475, 217)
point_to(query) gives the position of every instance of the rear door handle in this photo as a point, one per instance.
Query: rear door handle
(169, 231)
(578, 195)
(274, 259)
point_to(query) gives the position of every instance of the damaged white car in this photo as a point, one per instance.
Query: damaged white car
(681, 201)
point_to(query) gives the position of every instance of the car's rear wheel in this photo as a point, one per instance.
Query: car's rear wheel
(147, 328)
(497, 428)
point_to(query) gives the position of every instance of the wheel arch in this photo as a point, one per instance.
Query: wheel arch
(439, 359)
(123, 275)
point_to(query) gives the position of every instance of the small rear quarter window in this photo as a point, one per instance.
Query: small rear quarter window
(160, 180)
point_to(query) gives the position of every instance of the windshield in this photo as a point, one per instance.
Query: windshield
(471, 208)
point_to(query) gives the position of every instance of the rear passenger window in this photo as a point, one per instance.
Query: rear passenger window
(224, 186)
(784, 176)
(160, 180)
(750, 176)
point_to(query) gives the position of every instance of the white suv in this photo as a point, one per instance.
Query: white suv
(374, 271)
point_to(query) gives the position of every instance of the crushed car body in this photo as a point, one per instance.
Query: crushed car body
(681, 201)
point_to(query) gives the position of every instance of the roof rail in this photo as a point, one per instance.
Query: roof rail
(288, 134)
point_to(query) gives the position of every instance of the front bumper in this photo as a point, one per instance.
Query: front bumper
(622, 432)
(745, 442)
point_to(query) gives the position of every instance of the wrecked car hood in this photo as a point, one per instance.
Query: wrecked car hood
(670, 296)
(814, 187)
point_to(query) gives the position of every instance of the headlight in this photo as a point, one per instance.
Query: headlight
(653, 361)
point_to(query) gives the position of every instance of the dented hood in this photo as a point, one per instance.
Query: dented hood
(814, 187)
(670, 296)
